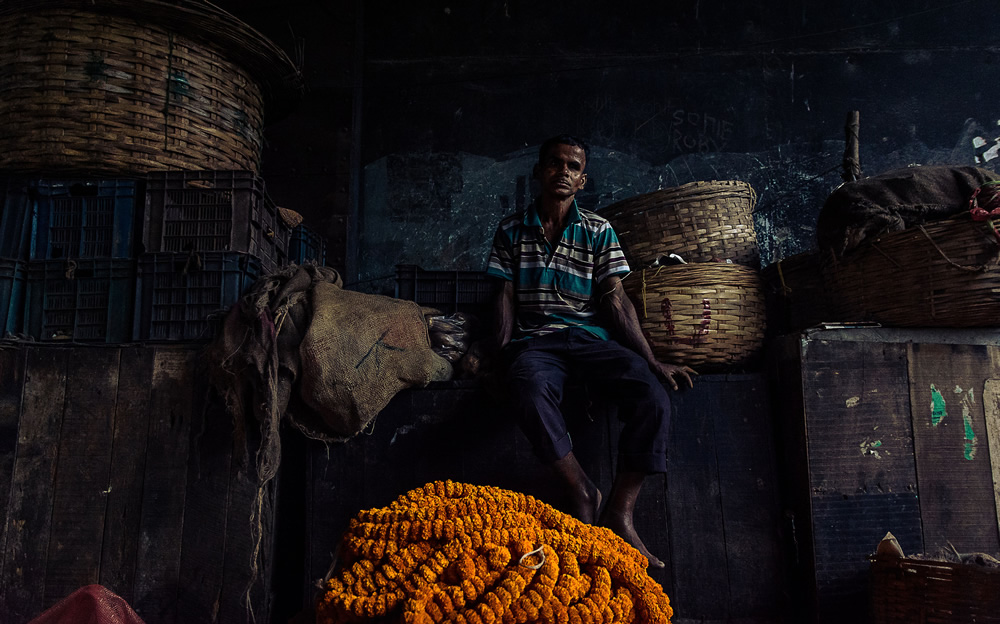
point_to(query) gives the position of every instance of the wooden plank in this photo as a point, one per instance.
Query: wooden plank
(749, 493)
(991, 403)
(165, 484)
(11, 387)
(860, 465)
(788, 404)
(290, 538)
(857, 418)
(203, 546)
(336, 478)
(242, 587)
(80, 493)
(700, 570)
(128, 467)
(29, 511)
(955, 478)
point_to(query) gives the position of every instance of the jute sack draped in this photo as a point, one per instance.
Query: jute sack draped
(359, 351)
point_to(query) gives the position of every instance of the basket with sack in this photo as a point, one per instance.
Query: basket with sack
(914, 248)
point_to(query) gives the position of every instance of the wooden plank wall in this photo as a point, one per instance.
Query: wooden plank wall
(954, 472)
(713, 518)
(887, 436)
(118, 470)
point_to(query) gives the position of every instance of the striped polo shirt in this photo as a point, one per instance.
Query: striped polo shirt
(554, 288)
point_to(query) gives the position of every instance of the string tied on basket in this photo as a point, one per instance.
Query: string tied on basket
(645, 313)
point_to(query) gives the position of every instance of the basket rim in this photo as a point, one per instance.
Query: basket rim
(281, 80)
(625, 206)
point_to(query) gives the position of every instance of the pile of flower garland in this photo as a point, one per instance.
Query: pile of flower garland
(452, 552)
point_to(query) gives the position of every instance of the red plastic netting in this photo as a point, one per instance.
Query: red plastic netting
(92, 604)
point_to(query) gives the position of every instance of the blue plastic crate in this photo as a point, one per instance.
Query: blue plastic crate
(178, 294)
(13, 276)
(213, 210)
(84, 300)
(84, 218)
(17, 208)
(306, 244)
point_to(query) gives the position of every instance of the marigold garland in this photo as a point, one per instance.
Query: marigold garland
(454, 552)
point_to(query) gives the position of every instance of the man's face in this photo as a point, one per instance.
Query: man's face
(561, 171)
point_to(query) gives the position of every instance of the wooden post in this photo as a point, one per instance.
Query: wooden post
(852, 162)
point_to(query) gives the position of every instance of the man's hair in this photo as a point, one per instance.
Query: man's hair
(562, 139)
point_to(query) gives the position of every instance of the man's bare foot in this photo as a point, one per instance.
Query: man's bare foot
(621, 524)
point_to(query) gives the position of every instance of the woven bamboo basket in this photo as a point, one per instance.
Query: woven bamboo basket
(795, 293)
(130, 87)
(941, 274)
(700, 221)
(916, 591)
(709, 315)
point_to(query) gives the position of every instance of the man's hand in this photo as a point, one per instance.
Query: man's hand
(670, 371)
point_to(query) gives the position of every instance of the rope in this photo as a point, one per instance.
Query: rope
(963, 267)
(785, 289)
(889, 258)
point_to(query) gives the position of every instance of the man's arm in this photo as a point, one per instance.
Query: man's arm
(503, 312)
(625, 326)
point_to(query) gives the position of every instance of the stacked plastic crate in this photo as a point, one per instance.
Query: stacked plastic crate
(114, 260)
(207, 236)
(66, 249)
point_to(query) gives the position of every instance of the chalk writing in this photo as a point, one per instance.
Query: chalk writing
(691, 131)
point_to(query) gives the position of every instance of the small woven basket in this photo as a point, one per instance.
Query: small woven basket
(941, 274)
(907, 591)
(105, 90)
(708, 315)
(795, 293)
(700, 221)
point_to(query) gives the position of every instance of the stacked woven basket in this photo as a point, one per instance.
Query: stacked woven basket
(709, 312)
(134, 86)
(113, 109)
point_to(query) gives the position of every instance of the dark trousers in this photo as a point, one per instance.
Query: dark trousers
(536, 378)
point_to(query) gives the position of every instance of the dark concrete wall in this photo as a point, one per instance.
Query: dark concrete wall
(444, 105)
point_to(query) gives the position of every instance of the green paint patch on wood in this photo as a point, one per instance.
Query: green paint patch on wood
(971, 442)
(938, 409)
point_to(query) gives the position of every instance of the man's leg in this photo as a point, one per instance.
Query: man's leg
(620, 375)
(536, 377)
(618, 514)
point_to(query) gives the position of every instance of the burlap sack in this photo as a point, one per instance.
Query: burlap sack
(862, 210)
(359, 351)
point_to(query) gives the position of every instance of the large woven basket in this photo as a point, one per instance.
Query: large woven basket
(708, 315)
(126, 87)
(795, 293)
(941, 274)
(700, 221)
(917, 591)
